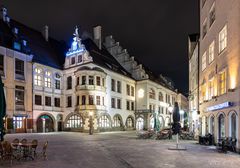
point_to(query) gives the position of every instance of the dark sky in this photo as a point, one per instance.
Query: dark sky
(154, 31)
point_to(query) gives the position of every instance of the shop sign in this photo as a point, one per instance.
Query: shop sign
(220, 106)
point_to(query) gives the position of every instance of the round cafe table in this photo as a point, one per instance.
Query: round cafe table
(25, 148)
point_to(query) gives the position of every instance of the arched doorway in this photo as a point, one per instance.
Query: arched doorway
(45, 123)
(211, 125)
(233, 126)
(161, 120)
(130, 122)
(221, 126)
(152, 122)
(59, 122)
(139, 124)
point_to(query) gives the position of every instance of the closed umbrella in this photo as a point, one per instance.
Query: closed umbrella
(2, 109)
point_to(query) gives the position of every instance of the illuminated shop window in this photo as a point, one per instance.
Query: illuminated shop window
(104, 122)
(75, 121)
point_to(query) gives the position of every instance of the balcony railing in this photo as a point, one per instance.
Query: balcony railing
(90, 87)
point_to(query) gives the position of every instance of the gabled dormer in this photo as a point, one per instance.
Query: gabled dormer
(77, 54)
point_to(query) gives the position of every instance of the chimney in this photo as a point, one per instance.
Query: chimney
(97, 35)
(45, 32)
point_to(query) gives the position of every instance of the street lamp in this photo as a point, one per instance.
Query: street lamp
(90, 123)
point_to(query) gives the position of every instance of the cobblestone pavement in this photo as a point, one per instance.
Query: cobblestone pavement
(120, 150)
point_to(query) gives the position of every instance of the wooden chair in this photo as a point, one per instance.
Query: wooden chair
(15, 141)
(24, 141)
(8, 152)
(34, 147)
(44, 150)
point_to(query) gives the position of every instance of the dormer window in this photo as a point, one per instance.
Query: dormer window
(72, 60)
(25, 43)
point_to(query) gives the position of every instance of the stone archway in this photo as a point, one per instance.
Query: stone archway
(45, 123)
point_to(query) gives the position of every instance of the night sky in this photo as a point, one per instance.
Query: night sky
(154, 31)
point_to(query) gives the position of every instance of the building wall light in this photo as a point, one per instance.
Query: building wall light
(140, 93)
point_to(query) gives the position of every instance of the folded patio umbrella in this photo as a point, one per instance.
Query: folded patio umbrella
(2, 110)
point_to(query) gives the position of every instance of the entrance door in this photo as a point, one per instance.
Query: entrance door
(59, 125)
(45, 124)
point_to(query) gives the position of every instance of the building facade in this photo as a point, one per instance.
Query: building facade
(219, 67)
(193, 53)
(88, 86)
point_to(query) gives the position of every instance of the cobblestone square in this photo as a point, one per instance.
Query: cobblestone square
(120, 150)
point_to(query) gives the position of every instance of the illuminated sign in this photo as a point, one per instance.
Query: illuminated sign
(220, 106)
(74, 52)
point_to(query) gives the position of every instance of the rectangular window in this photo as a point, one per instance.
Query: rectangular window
(132, 91)
(98, 100)
(223, 39)
(119, 88)
(77, 81)
(113, 102)
(90, 99)
(90, 80)
(128, 90)
(77, 103)
(47, 101)
(19, 97)
(69, 82)
(57, 102)
(204, 59)
(132, 106)
(204, 28)
(113, 84)
(211, 52)
(69, 101)
(57, 84)
(83, 100)
(222, 82)
(38, 100)
(212, 15)
(119, 103)
(211, 88)
(17, 46)
(73, 60)
(98, 81)
(128, 105)
(47, 79)
(18, 122)
(203, 3)
(19, 69)
(1, 64)
(83, 80)
(79, 58)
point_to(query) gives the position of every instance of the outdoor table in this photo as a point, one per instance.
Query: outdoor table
(25, 148)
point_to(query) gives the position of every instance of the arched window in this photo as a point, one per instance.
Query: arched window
(57, 81)
(104, 122)
(130, 122)
(139, 124)
(160, 96)
(47, 79)
(152, 122)
(69, 82)
(152, 94)
(75, 121)
(38, 76)
(211, 124)
(221, 126)
(233, 126)
(117, 121)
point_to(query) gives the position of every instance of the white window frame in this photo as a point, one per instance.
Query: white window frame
(204, 61)
(47, 79)
(211, 52)
(222, 39)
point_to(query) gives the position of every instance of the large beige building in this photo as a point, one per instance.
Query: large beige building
(219, 66)
(52, 87)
